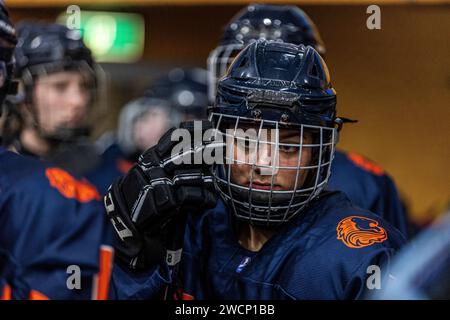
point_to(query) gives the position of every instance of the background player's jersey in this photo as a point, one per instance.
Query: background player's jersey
(52, 225)
(369, 187)
(113, 164)
(324, 253)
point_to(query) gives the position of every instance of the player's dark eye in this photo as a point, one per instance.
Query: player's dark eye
(286, 148)
(60, 86)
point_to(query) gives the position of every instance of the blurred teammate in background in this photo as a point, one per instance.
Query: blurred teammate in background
(141, 123)
(186, 90)
(365, 183)
(51, 116)
(52, 226)
(423, 266)
(179, 95)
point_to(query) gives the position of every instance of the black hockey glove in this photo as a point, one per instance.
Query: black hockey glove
(148, 206)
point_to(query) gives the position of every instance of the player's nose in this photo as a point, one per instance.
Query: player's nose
(265, 160)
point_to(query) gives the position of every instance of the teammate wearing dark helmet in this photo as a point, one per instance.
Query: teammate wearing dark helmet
(49, 220)
(186, 89)
(280, 23)
(58, 86)
(274, 232)
(364, 182)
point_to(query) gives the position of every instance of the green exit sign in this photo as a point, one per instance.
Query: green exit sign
(112, 36)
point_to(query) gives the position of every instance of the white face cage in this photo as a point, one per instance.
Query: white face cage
(274, 204)
(218, 62)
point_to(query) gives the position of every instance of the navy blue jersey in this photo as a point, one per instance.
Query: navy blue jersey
(50, 224)
(113, 164)
(327, 252)
(369, 187)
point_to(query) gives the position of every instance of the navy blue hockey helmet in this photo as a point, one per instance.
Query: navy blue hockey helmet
(7, 43)
(283, 23)
(49, 47)
(273, 85)
(185, 90)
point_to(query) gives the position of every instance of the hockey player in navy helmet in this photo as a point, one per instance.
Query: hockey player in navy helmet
(367, 184)
(259, 223)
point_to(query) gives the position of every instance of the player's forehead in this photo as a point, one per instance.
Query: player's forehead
(270, 129)
(65, 76)
(153, 113)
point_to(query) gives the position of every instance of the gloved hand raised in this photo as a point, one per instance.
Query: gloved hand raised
(151, 201)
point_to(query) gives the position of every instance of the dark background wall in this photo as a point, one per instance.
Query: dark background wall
(395, 81)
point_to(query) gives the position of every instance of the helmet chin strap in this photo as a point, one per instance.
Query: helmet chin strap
(61, 134)
(66, 144)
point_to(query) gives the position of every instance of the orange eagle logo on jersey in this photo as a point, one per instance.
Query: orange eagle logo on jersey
(359, 232)
(70, 187)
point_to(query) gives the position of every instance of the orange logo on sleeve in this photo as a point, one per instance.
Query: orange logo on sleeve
(36, 295)
(359, 232)
(70, 187)
(124, 165)
(365, 164)
(181, 295)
